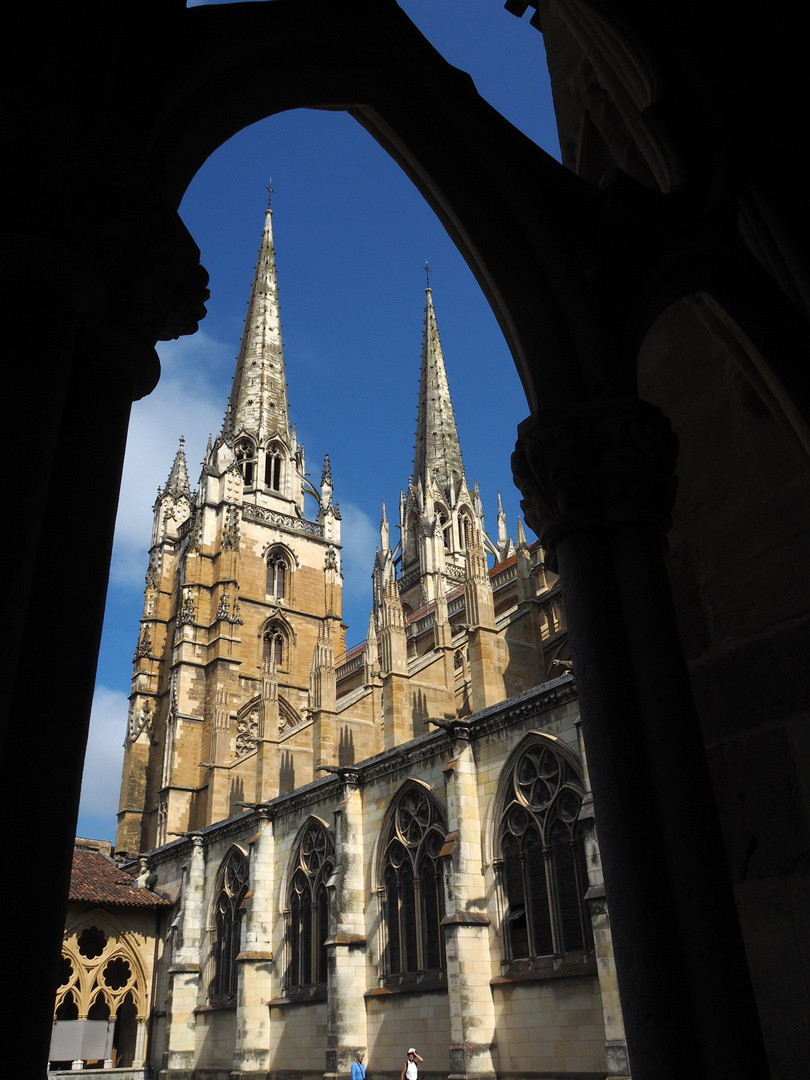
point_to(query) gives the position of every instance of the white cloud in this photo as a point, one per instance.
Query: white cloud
(188, 401)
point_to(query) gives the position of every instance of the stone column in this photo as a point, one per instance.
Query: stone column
(186, 971)
(615, 1039)
(140, 1044)
(346, 946)
(465, 923)
(252, 1050)
(597, 480)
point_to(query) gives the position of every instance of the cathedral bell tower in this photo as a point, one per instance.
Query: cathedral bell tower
(242, 609)
(439, 516)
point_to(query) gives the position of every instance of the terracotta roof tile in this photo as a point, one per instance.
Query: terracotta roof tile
(96, 879)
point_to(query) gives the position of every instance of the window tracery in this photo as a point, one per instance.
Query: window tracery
(308, 908)
(230, 898)
(278, 575)
(541, 865)
(99, 973)
(273, 472)
(413, 893)
(246, 459)
(275, 645)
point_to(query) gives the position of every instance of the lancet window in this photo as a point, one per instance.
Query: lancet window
(278, 575)
(246, 457)
(275, 645)
(541, 857)
(230, 896)
(273, 468)
(413, 894)
(307, 907)
(465, 530)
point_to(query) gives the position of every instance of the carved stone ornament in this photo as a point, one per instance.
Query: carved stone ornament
(231, 532)
(153, 573)
(186, 613)
(595, 465)
(140, 720)
(144, 645)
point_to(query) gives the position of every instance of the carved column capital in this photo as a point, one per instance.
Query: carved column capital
(595, 465)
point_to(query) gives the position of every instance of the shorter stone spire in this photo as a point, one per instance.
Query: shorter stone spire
(178, 484)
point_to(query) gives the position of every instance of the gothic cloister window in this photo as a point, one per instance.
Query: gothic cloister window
(307, 912)
(540, 855)
(278, 574)
(101, 978)
(246, 458)
(230, 897)
(413, 835)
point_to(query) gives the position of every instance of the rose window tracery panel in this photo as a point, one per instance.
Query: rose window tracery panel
(413, 893)
(541, 869)
(247, 730)
(308, 907)
(228, 915)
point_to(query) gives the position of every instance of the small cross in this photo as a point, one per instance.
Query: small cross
(270, 191)
(427, 274)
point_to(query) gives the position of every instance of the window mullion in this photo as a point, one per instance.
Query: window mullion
(419, 919)
(555, 920)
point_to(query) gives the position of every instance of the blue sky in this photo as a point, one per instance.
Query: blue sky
(352, 236)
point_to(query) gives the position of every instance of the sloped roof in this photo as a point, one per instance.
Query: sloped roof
(95, 879)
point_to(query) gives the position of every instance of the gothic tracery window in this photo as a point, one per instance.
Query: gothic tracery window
(275, 645)
(272, 468)
(542, 872)
(278, 575)
(413, 896)
(246, 458)
(228, 915)
(308, 908)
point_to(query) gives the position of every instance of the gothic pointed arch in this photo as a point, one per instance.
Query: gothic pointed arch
(306, 905)
(225, 924)
(409, 881)
(539, 854)
(281, 563)
(247, 458)
(275, 464)
(100, 968)
(277, 642)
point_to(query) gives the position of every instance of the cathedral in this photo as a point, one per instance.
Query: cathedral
(370, 847)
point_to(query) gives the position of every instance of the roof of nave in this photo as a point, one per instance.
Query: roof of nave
(95, 879)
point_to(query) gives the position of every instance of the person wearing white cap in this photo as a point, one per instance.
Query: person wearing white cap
(410, 1070)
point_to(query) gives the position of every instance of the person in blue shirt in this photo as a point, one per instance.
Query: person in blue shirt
(358, 1068)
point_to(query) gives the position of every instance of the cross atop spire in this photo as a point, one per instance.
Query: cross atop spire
(437, 451)
(258, 403)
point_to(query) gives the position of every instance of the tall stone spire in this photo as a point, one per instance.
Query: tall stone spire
(258, 403)
(437, 453)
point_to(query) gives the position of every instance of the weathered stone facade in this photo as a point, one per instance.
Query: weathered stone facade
(432, 886)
